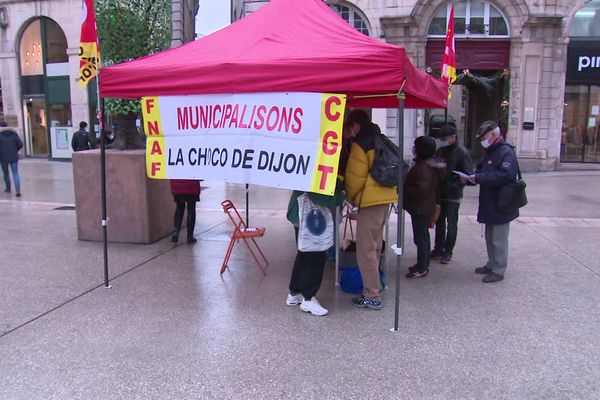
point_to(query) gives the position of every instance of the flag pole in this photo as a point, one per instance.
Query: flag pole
(89, 66)
(449, 59)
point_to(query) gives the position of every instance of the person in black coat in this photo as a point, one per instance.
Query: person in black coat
(456, 158)
(10, 144)
(497, 167)
(81, 139)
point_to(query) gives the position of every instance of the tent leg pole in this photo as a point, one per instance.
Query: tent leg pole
(247, 201)
(400, 227)
(337, 246)
(103, 188)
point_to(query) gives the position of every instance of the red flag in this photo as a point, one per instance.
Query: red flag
(449, 58)
(89, 49)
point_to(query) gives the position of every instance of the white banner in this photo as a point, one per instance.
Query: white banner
(286, 140)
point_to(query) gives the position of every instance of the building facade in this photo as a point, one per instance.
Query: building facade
(39, 47)
(519, 48)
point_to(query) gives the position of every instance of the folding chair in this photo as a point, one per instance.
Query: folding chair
(348, 215)
(241, 231)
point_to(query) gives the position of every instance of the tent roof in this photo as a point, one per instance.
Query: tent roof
(286, 46)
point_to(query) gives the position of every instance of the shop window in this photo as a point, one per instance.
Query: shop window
(586, 22)
(580, 139)
(471, 19)
(353, 17)
(56, 43)
(30, 50)
(60, 115)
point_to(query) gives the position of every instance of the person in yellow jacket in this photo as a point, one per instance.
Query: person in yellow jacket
(373, 201)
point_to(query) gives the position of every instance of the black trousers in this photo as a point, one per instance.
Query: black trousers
(307, 273)
(420, 226)
(445, 240)
(191, 217)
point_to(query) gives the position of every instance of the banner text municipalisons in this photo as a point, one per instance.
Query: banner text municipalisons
(257, 117)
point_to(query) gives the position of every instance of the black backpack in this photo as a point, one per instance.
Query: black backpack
(386, 165)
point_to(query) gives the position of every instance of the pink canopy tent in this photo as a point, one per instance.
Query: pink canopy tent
(286, 46)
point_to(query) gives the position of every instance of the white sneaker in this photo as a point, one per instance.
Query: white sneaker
(294, 299)
(313, 306)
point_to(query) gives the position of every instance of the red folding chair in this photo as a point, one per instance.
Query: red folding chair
(348, 216)
(241, 231)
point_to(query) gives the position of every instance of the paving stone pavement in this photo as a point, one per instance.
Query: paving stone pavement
(171, 327)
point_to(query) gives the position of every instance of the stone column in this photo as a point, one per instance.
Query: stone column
(538, 65)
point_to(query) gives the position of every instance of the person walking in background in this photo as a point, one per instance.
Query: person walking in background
(497, 167)
(307, 272)
(81, 139)
(185, 191)
(373, 201)
(10, 144)
(421, 194)
(456, 158)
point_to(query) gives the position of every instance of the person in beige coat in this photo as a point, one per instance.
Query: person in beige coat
(373, 201)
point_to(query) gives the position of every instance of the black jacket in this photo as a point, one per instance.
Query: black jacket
(10, 144)
(497, 168)
(456, 158)
(81, 141)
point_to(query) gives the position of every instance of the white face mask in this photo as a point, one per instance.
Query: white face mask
(486, 143)
(444, 143)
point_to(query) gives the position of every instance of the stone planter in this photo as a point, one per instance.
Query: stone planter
(139, 209)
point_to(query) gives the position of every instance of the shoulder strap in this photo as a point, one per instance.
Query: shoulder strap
(516, 159)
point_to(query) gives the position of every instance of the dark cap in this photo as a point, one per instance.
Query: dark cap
(424, 147)
(359, 116)
(3, 124)
(486, 127)
(446, 130)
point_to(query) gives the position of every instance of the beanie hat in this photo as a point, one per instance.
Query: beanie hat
(446, 130)
(424, 147)
(486, 127)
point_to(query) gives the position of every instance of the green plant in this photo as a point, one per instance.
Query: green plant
(129, 29)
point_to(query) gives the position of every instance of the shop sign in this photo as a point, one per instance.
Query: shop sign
(283, 140)
(583, 62)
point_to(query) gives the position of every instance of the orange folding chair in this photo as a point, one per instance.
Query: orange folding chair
(241, 231)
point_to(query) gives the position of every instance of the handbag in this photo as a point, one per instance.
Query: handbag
(512, 196)
(315, 230)
(435, 216)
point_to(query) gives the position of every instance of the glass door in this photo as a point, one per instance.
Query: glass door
(592, 132)
(37, 127)
(575, 120)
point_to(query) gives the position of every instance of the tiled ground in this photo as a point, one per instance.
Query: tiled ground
(171, 327)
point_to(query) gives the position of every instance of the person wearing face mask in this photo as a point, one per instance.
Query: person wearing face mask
(497, 167)
(373, 201)
(456, 158)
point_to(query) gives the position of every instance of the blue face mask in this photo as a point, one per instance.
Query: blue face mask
(444, 143)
